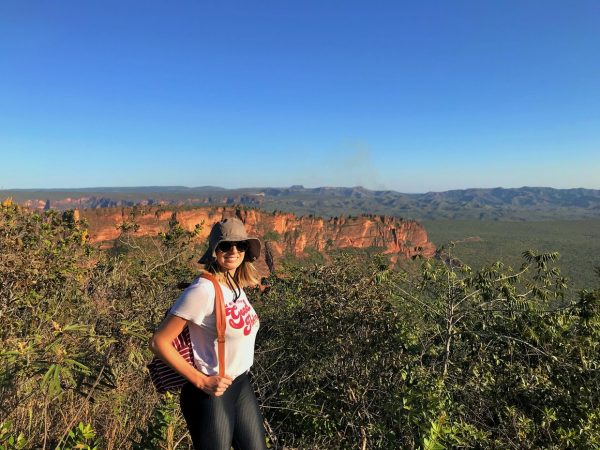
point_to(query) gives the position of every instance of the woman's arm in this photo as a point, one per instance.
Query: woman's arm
(160, 344)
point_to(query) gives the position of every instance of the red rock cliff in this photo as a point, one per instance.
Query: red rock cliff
(283, 232)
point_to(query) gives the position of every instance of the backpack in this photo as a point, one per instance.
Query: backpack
(164, 378)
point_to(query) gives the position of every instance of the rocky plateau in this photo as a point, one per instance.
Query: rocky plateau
(281, 233)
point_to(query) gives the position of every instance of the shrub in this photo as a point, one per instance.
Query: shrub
(75, 347)
(350, 354)
(330, 357)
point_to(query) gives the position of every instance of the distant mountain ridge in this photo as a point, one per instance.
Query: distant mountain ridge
(525, 203)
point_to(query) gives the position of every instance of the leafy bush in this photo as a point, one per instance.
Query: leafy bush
(350, 354)
(272, 235)
(330, 348)
(75, 347)
(353, 355)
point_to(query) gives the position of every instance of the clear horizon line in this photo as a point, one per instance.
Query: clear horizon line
(207, 187)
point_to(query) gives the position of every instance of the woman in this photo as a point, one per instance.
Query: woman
(220, 412)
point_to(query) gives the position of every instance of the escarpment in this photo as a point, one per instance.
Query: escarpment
(282, 233)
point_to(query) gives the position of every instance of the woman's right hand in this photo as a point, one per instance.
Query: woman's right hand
(213, 385)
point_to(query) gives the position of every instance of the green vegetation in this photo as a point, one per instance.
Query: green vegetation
(479, 243)
(311, 256)
(272, 235)
(350, 353)
(454, 358)
(76, 322)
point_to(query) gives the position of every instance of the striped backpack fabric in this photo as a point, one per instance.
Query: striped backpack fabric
(164, 378)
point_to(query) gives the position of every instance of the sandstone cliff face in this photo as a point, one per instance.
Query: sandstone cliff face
(285, 233)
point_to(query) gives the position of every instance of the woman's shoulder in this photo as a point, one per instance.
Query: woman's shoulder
(195, 301)
(200, 285)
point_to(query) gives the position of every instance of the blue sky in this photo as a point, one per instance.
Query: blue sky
(409, 96)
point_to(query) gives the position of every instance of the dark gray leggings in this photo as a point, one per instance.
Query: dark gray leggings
(219, 423)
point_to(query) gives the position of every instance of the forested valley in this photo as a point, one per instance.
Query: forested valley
(350, 354)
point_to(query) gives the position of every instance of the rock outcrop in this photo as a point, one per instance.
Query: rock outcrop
(282, 233)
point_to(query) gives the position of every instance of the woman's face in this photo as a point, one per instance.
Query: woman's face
(229, 257)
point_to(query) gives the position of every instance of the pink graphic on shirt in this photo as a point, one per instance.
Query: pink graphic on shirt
(242, 316)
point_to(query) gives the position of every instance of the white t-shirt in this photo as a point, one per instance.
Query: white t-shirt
(197, 305)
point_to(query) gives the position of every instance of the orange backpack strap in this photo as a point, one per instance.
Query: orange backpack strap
(220, 320)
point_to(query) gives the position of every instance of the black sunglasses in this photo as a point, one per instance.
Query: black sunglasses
(225, 246)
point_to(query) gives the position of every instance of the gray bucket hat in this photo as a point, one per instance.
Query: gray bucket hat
(231, 229)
